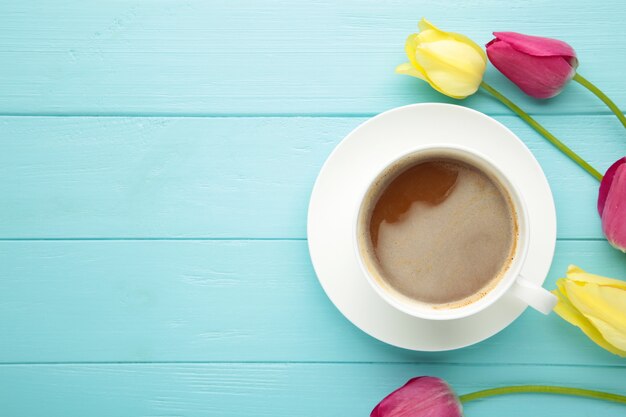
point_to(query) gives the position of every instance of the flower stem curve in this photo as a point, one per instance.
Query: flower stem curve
(545, 133)
(595, 90)
(545, 389)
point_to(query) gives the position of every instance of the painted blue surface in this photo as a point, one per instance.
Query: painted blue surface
(156, 160)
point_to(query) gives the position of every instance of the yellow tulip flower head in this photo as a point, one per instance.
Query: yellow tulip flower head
(451, 63)
(595, 304)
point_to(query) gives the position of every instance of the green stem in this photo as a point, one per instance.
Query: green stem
(547, 389)
(595, 90)
(549, 136)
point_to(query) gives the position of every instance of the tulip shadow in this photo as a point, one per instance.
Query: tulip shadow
(532, 339)
(406, 90)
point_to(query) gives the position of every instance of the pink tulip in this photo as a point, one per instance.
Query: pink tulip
(540, 67)
(425, 396)
(612, 204)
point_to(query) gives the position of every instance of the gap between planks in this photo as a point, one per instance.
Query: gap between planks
(338, 363)
(269, 115)
(204, 239)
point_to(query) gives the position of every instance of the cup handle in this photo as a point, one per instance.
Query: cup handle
(534, 295)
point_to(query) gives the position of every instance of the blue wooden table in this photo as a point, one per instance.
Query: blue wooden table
(156, 160)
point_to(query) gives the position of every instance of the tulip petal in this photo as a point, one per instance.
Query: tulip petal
(423, 396)
(614, 210)
(538, 46)
(457, 63)
(537, 76)
(605, 185)
(575, 273)
(604, 307)
(457, 55)
(410, 47)
(418, 72)
(449, 67)
(426, 26)
(613, 330)
(566, 310)
(408, 69)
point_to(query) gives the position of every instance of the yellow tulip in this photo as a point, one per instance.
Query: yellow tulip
(595, 304)
(451, 63)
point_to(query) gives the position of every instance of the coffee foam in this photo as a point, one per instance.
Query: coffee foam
(440, 272)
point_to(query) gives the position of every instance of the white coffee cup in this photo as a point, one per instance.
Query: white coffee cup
(511, 281)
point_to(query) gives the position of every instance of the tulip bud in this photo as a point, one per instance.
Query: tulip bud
(596, 305)
(612, 204)
(451, 63)
(424, 396)
(540, 67)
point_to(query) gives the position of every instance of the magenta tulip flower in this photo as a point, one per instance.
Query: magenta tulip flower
(425, 396)
(612, 204)
(428, 396)
(540, 67)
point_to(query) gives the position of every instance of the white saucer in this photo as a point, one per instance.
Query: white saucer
(353, 162)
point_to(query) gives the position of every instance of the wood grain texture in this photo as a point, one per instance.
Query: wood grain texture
(281, 390)
(142, 301)
(170, 57)
(84, 177)
(153, 259)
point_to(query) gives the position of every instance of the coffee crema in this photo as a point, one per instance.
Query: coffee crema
(441, 232)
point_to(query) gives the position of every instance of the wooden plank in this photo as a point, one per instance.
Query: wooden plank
(283, 389)
(265, 57)
(83, 177)
(144, 301)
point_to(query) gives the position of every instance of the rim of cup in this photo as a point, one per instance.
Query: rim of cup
(485, 164)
